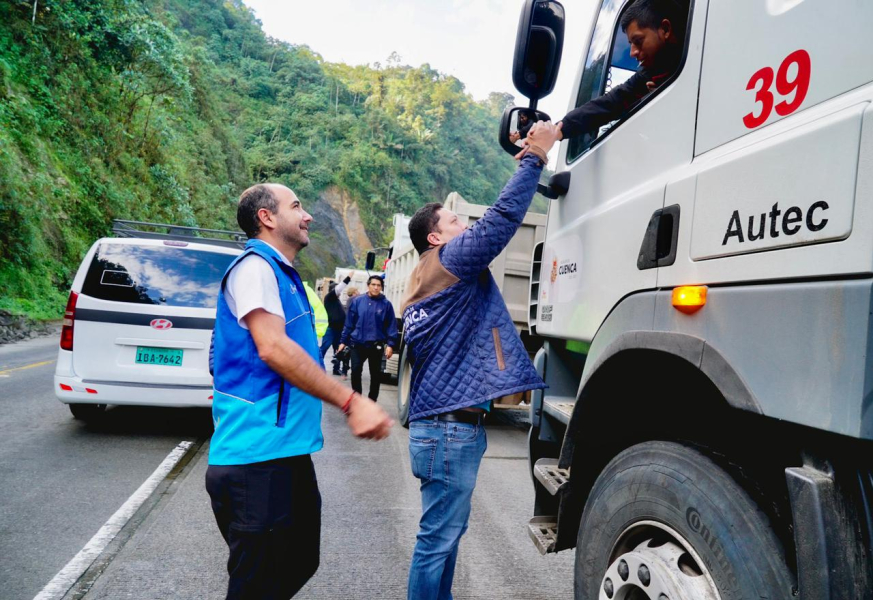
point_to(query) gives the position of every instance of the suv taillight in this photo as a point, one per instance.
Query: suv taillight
(69, 319)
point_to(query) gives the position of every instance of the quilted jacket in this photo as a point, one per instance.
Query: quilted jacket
(461, 342)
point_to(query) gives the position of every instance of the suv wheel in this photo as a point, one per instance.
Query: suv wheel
(87, 412)
(664, 521)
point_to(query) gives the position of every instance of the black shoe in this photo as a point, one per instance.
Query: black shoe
(337, 373)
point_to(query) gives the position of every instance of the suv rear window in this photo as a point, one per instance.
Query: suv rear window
(160, 275)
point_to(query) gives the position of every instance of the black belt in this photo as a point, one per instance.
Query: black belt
(462, 416)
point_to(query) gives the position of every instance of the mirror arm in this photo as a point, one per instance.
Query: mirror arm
(559, 183)
(371, 255)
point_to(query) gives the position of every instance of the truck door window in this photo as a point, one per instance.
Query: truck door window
(593, 76)
(608, 65)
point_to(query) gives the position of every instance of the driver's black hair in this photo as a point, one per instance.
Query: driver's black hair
(530, 114)
(650, 13)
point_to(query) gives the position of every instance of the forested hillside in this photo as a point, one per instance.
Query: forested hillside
(164, 110)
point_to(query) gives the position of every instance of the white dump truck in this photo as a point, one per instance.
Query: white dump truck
(511, 271)
(704, 292)
(358, 281)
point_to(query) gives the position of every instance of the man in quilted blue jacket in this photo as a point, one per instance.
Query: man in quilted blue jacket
(465, 353)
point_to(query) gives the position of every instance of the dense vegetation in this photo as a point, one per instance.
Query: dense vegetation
(164, 110)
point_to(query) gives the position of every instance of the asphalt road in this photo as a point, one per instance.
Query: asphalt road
(62, 480)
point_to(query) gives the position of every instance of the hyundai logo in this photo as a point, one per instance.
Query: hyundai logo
(161, 324)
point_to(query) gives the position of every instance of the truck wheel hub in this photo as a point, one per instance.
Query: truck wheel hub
(653, 562)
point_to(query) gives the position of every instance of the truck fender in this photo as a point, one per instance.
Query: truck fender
(694, 350)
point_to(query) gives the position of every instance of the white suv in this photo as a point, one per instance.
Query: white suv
(139, 320)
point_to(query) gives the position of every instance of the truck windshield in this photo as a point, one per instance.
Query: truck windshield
(160, 275)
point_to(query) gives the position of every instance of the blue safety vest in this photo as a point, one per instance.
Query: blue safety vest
(258, 415)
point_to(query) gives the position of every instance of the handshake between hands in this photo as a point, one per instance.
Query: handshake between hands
(540, 139)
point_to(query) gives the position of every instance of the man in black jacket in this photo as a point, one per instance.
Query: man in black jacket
(336, 320)
(655, 30)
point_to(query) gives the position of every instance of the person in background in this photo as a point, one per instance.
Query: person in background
(336, 319)
(351, 293)
(370, 331)
(318, 310)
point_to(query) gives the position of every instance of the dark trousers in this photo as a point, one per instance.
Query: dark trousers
(270, 516)
(372, 355)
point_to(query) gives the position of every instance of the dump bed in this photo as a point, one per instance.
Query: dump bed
(511, 269)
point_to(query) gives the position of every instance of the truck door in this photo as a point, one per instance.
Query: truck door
(618, 179)
(785, 96)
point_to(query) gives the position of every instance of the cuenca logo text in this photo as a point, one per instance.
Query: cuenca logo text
(414, 316)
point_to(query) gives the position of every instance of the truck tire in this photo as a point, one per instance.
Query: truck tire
(87, 412)
(664, 521)
(404, 373)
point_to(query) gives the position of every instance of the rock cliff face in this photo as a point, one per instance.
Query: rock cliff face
(338, 235)
(340, 201)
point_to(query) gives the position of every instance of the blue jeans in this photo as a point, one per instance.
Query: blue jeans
(445, 457)
(331, 338)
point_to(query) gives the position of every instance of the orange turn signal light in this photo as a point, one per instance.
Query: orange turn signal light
(689, 298)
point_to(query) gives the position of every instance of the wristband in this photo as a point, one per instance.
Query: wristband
(348, 404)
(539, 153)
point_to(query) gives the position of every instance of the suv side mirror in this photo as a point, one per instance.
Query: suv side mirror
(514, 126)
(538, 48)
(371, 260)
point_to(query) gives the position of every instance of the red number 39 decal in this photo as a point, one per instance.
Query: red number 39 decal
(763, 79)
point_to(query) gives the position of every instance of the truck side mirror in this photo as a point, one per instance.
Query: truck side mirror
(371, 261)
(514, 125)
(538, 47)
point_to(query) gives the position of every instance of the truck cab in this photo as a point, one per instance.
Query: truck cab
(704, 291)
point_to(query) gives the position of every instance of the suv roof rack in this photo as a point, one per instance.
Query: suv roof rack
(131, 229)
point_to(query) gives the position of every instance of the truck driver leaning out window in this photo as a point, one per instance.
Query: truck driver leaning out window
(655, 30)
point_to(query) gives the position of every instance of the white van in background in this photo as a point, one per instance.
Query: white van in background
(139, 319)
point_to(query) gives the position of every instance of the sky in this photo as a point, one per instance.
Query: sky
(470, 39)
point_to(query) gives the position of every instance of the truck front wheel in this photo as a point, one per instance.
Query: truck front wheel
(664, 521)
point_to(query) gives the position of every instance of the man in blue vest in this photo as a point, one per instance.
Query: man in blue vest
(465, 353)
(269, 386)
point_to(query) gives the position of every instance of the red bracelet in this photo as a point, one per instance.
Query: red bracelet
(348, 404)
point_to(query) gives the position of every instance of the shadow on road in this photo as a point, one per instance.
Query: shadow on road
(149, 421)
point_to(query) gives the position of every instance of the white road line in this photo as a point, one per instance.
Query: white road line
(70, 574)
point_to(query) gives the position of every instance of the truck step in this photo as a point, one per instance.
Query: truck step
(544, 533)
(547, 473)
(559, 407)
